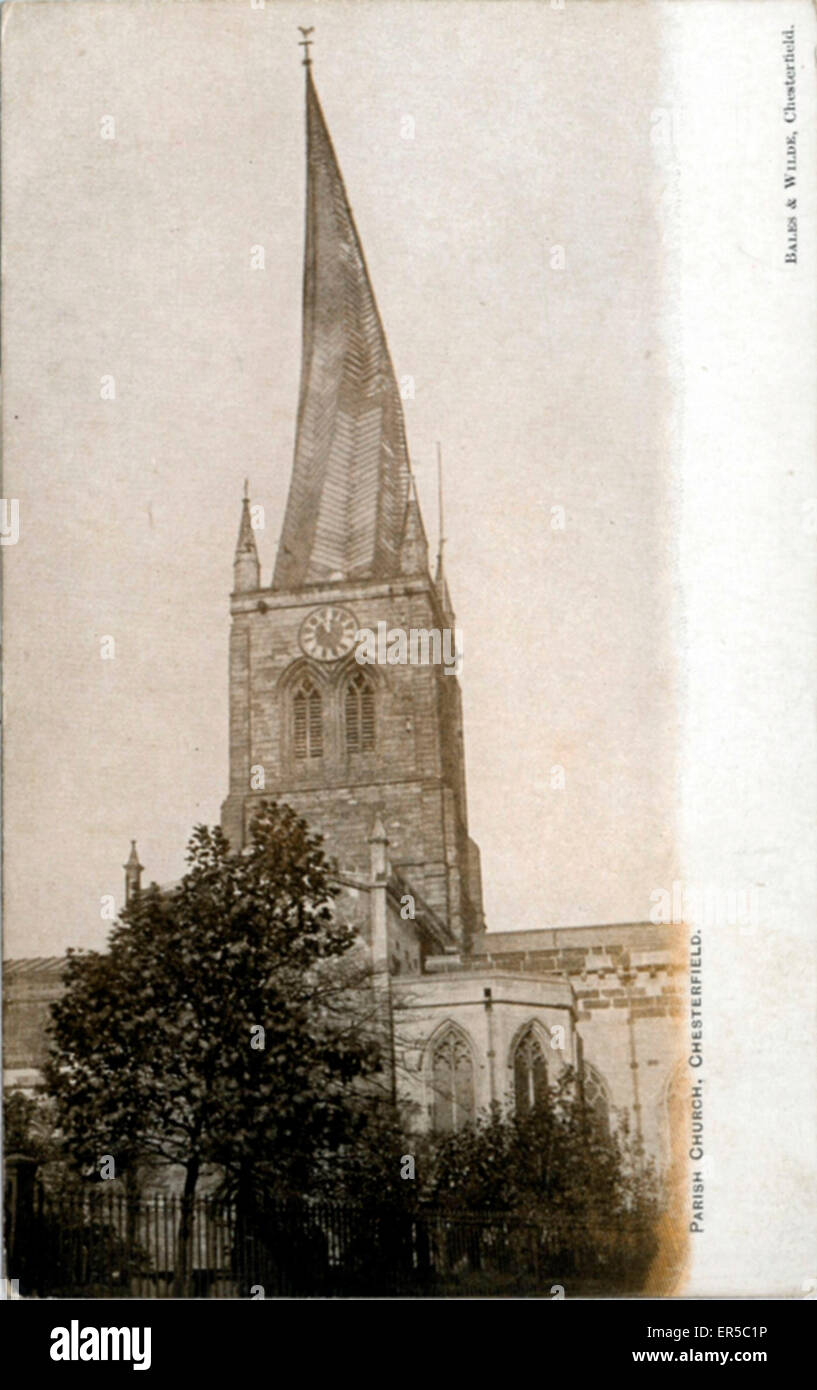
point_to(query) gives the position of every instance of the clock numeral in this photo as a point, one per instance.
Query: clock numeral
(328, 633)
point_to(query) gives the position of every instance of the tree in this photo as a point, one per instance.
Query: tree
(586, 1186)
(228, 1023)
(28, 1126)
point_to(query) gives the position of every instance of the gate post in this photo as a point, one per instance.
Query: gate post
(18, 1216)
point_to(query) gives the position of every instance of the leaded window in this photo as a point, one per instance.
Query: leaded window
(530, 1077)
(452, 1068)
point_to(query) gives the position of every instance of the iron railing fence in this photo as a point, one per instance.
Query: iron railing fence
(102, 1244)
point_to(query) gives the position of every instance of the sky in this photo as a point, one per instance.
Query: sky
(501, 165)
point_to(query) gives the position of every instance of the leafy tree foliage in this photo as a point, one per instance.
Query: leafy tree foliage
(233, 1027)
(559, 1160)
(28, 1126)
(228, 1021)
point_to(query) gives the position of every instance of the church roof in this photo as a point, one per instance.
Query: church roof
(349, 492)
(33, 965)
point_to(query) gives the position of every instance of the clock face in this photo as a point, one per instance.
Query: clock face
(328, 633)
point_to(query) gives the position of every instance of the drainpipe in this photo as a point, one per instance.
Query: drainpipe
(628, 978)
(381, 970)
(486, 993)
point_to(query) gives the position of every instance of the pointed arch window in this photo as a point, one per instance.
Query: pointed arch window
(530, 1076)
(359, 714)
(452, 1067)
(595, 1095)
(307, 708)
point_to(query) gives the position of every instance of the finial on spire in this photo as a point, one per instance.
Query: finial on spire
(440, 511)
(133, 874)
(306, 43)
(413, 544)
(246, 569)
(440, 580)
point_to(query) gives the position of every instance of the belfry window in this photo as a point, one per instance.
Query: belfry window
(530, 1078)
(308, 720)
(359, 714)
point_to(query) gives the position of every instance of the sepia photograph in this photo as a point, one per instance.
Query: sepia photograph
(356, 889)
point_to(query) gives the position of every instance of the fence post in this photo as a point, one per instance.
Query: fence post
(20, 1172)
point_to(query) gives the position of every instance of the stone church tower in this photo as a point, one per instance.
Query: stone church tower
(342, 742)
(372, 756)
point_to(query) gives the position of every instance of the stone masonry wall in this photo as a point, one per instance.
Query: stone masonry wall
(630, 984)
(414, 777)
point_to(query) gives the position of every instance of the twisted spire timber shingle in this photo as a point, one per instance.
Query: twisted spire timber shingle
(349, 493)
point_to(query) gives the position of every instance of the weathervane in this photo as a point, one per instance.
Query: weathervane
(306, 43)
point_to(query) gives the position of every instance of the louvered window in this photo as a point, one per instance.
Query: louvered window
(359, 715)
(308, 730)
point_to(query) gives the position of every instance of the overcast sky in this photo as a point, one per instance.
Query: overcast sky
(547, 387)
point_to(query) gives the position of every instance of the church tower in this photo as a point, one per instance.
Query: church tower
(339, 741)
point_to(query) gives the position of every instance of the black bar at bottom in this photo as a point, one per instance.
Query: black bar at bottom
(295, 1340)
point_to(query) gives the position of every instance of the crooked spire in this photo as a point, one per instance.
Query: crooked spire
(348, 497)
(246, 569)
